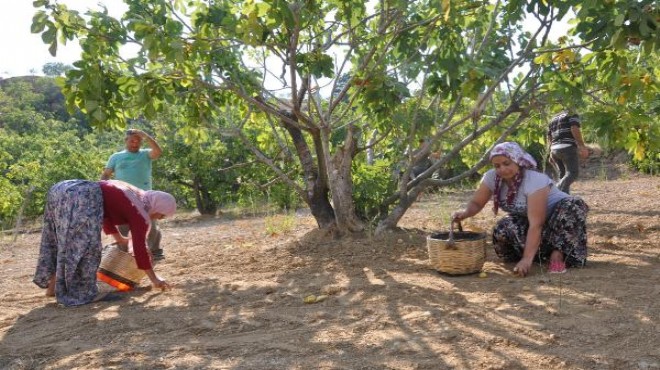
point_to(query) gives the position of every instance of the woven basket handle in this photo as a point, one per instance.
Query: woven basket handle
(457, 222)
(451, 244)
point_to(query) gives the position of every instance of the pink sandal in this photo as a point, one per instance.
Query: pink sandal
(557, 267)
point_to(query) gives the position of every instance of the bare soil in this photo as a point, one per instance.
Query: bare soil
(241, 284)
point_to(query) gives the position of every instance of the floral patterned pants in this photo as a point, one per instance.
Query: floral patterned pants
(71, 241)
(565, 230)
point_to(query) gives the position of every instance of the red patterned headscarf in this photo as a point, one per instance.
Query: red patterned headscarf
(524, 160)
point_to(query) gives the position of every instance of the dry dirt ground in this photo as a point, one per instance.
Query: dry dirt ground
(240, 284)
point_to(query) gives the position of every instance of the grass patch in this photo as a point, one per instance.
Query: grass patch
(280, 223)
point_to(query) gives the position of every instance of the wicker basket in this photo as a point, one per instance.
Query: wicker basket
(118, 268)
(466, 255)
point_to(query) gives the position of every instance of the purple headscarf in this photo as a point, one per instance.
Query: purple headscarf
(160, 202)
(524, 160)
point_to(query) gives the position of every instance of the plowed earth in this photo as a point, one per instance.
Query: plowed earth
(240, 285)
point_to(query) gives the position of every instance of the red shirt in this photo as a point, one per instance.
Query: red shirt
(118, 210)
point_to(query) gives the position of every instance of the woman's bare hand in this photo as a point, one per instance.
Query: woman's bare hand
(161, 284)
(157, 282)
(458, 216)
(522, 267)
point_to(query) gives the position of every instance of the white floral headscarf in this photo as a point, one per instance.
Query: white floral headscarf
(514, 152)
(524, 160)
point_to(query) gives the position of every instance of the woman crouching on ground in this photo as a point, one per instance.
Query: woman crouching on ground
(75, 213)
(543, 223)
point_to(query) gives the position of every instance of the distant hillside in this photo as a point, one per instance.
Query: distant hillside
(4, 81)
(40, 93)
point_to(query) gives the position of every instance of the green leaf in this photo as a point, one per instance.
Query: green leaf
(644, 29)
(543, 59)
(98, 115)
(39, 22)
(91, 105)
(52, 49)
(618, 21)
(262, 9)
(50, 34)
(619, 40)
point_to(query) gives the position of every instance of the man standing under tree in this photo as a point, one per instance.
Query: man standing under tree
(133, 165)
(566, 148)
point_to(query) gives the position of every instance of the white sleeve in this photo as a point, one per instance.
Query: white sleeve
(535, 181)
(488, 179)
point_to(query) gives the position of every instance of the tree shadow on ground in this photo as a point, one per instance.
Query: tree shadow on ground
(384, 307)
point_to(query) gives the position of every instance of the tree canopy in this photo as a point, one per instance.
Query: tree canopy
(41, 144)
(309, 88)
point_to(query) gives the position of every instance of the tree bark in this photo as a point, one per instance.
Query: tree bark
(342, 185)
(205, 204)
(316, 185)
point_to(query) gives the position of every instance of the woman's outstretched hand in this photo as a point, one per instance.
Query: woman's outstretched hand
(458, 216)
(157, 282)
(522, 267)
(161, 284)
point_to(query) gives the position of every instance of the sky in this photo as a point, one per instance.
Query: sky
(22, 52)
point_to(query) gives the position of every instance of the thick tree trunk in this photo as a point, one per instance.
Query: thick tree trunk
(342, 198)
(316, 184)
(393, 217)
(321, 209)
(205, 204)
(342, 186)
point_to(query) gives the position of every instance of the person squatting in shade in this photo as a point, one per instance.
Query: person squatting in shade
(543, 223)
(76, 211)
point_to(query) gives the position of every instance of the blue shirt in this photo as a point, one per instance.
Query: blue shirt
(133, 168)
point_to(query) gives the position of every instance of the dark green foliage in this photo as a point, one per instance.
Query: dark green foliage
(372, 185)
(283, 197)
(195, 172)
(41, 145)
(31, 94)
(650, 164)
